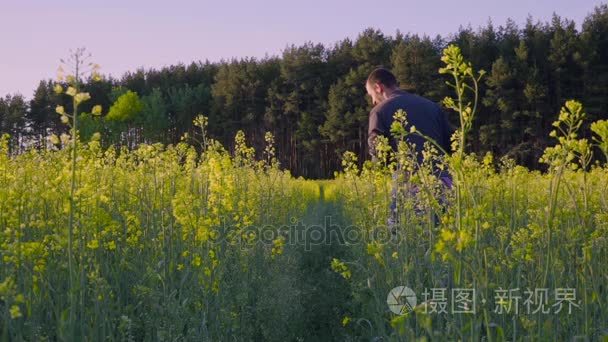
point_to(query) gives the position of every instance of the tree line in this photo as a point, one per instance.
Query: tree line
(312, 97)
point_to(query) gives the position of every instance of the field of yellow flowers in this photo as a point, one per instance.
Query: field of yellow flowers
(533, 262)
(506, 254)
(192, 242)
(159, 234)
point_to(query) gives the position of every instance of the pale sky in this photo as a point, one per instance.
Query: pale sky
(124, 35)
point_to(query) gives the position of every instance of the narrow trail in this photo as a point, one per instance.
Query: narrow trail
(296, 296)
(325, 295)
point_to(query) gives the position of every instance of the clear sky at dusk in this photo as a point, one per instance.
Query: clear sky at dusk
(124, 35)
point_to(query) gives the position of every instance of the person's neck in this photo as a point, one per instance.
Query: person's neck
(390, 91)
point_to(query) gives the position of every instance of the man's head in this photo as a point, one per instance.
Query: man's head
(380, 84)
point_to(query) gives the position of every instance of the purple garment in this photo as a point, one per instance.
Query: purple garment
(413, 191)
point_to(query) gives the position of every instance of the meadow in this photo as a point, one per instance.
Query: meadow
(192, 242)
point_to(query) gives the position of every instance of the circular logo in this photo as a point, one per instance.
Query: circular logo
(401, 300)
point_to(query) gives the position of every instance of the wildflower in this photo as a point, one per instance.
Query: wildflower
(111, 245)
(93, 244)
(374, 248)
(341, 268)
(65, 138)
(81, 97)
(15, 312)
(201, 121)
(278, 244)
(54, 139)
(65, 119)
(96, 110)
(488, 159)
(447, 235)
(95, 75)
(71, 91)
(464, 238)
(60, 110)
(58, 88)
(400, 116)
(19, 298)
(197, 261)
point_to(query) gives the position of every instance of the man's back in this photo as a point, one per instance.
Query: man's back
(425, 115)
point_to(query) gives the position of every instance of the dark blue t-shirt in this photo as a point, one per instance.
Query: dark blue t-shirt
(424, 114)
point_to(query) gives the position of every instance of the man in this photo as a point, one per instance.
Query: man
(424, 114)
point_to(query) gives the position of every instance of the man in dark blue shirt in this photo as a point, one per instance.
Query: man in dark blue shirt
(424, 114)
(427, 116)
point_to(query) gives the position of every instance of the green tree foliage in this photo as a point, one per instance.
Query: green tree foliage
(312, 97)
(155, 118)
(42, 117)
(13, 111)
(126, 108)
(415, 65)
(594, 47)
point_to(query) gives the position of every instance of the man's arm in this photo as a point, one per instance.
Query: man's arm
(375, 129)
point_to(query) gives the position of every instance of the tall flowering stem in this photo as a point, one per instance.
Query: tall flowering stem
(465, 80)
(78, 66)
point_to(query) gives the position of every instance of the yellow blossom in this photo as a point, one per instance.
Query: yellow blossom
(65, 138)
(341, 268)
(81, 97)
(197, 261)
(54, 139)
(96, 110)
(111, 245)
(15, 312)
(447, 235)
(93, 244)
(71, 91)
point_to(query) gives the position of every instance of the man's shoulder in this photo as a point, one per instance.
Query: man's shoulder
(417, 99)
(404, 100)
(390, 102)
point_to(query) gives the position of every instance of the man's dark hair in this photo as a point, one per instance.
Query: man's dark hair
(382, 76)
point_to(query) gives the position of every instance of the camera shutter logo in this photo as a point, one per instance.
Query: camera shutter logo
(401, 300)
